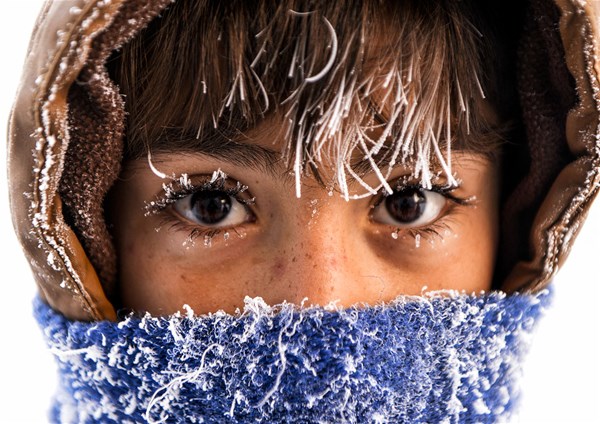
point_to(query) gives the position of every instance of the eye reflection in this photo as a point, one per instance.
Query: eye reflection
(409, 208)
(212, 208)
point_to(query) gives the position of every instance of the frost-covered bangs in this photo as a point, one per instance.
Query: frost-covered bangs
(354, 83)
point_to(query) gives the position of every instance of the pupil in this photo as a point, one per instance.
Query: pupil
(407, 205)
(211, 207)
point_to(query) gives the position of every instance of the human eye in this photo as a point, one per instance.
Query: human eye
(204, 205)
(413, 207)
(212, 209)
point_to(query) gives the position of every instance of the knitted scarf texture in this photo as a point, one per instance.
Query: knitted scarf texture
(444, 357)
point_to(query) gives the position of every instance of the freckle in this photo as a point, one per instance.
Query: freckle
(279, 268)
(294, 259)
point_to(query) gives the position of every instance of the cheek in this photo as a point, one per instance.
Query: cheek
(469, 254)
(142, 268)
(468, 258)
(460, 255)
(160, 272)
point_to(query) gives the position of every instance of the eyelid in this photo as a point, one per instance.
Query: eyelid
(447, 191)
(403, 183)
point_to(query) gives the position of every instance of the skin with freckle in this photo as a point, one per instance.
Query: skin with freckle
(377, 180)
(285, 254)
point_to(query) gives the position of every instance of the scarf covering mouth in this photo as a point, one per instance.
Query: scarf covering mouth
(445, 357)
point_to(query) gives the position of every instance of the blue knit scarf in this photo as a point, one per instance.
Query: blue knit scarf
(441, 358)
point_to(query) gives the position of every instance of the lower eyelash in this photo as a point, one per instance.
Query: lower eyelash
(194, 232)
(435, 229)
(427, 233)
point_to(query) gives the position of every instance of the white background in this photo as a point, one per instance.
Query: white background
(562, 375)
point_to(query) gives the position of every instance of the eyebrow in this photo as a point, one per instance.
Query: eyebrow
(219, 146)
(227, 149)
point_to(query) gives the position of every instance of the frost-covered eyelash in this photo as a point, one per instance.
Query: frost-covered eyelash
(195, 232)
(445, 190)
(178, 189)
(434, 229)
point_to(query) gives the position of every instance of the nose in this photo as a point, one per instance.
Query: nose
(327, 260)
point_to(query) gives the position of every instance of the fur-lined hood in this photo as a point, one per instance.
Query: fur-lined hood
(67, 107)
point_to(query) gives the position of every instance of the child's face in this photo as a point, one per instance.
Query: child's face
(209, 245)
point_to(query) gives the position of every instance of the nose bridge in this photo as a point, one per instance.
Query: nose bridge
(323, 265)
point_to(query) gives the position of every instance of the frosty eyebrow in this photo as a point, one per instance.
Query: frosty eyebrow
(239, 149)
(238, 153)
(228, 150)
(244, 154)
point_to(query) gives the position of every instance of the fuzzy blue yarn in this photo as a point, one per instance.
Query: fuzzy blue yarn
(441, 358)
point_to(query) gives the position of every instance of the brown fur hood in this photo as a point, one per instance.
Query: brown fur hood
(67, 126)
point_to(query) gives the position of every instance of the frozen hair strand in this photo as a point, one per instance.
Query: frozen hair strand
(357, 89)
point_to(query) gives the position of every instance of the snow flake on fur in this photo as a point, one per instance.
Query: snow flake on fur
(439, 358)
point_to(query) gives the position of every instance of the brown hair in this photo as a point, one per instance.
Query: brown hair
(397, 80)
